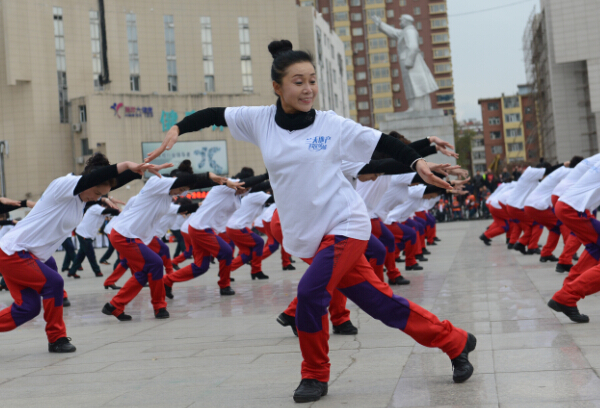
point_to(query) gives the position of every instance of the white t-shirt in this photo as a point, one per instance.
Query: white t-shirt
(91, 222)
(578, 172)
(179, 219)
(404, 211)
(219, 204)
(113, 220)
(541, 197)
(151, 204)
(396, 194)
(267, 214)
(185, 225)
(166, 221)
(492, 200)
(350, 171)
(503, 196)
(5, 229)
(372, 192)
(252, 207)
(53, 218)
(528, 181)
(585, 193)
(313, 196)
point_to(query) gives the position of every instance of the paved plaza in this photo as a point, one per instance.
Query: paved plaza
(229, 351)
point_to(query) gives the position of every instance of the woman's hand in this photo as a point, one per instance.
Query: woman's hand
(116, 201)
(152, 168)
(167, 144)
(8, 201)
(217, 179)
(441, 143)
(459, 173)
(428, 177)
(236, 185)
(446, 152)
(442, 168)
(109, 203)
(457, 183)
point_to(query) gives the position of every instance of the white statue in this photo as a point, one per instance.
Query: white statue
(417, 79)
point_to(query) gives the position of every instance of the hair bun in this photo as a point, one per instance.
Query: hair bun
(278, 47)
(98, 159)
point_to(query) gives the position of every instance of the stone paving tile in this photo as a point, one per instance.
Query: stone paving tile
(230, 352)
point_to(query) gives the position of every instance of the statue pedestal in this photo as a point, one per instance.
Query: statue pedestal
(417, 125)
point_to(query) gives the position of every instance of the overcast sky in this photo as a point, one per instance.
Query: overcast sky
(487, 50)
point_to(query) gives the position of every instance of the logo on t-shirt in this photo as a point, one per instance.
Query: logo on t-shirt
(317, 143)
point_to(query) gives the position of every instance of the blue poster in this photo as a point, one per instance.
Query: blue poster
(205, 155)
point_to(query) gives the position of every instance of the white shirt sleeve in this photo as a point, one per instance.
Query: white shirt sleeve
(357, 142)
(351, 169)
(417, 191)
(241, 121)
(158, 185)
(63, 187)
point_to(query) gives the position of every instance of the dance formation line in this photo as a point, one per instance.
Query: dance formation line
(344, 198)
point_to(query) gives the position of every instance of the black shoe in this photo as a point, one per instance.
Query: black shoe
(576, 257)
(227, 291)
(259, 275)
(66, 302)
(550, 258)
(64, 269)
(561, 268)
(485, 239)
(98, 274)
(510, 246)
(345, 328)
(108, 309)
(426, 251)
(521, 248)
(176, 267)
(287, 320)
(292, 260)
(310, 390)
(231, 279)
(399, 260)
(421, 258)
(507, 241)
(398, 281)
(436, 239)
(432, 244)
(104, 262)
(535, 251)
(113, 287)
(169, 292)
(570, 311)
(212, 260)
(80, 268)
(161, 313)
(3, 286)
(290, 267)
(74, 276)
(415, 267)
(62, 345)
(460, 365)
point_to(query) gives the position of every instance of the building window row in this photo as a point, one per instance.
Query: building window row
(61, 64)
(437, 8)
(444, 83)
(511, 102)
(244, 32)
(512, 117)
(495, 120)
(171, 56)
(207, 54)
(440, 38)
(381, 88)
(513, 132)
(497, 150)
(515, 147)
(492, 106)
(96, 56)
(495, 135)
(134, 59)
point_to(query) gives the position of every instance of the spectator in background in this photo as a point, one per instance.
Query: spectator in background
(478, 182)
(517, 173)
(505, 177)
(490, 181)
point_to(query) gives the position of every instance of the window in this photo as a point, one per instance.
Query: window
(441, 53)
(96, 60)
(359, 46)
(533, 153)
(325, 10)
(515, 147)
(358, 31)
(440, 38)
(364, 120)
(494, 121)
(497, 149)
(513, 132)
(418, 25)
(477, 142)
(442, 68)
(171, 58)
(396, 87)
(378, 43)
(528, 109)
(529, 124)
(348, 60)
(134, 59)
(342, 31)
(362, 90)
(362, 75)
(394, 57)
(347, 45)
(448, 112)
(245, 54)
(61, 64)
(395, 73)
(420, 40)
(390, 13)
(359, 61)
(511, 102)
(355, 3)
(397, 103)
(495, 135)
(445, 98)
(492, 106)
(379, 12)
(515, 159)
(417, 11)
(380, 73)
(309, 3)
(339, 3)
(444, 83)
(207, 54)
(340, 16)
(349, 75)
(85, 148)
(379, 58)
(381, 87)
(372, 28)
(82, 114)
(480, 167)
(478, 155)
(392, 43)
(402, 3)
(356, 16)
(352, 105)
(381, 103)
(437, 8)
(374, 1)
(512, 117)
(363, 105)
(439, 23)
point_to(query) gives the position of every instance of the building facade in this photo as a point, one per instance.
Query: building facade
(82, 76)
(563, 67)
(374, 78)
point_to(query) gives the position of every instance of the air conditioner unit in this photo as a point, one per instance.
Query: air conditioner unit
(76, 127)
(81, 160)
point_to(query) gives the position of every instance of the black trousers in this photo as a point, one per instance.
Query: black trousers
(180, 242)
(69, 253)
(86, 249)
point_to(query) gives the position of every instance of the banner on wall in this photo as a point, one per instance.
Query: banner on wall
(205, 155)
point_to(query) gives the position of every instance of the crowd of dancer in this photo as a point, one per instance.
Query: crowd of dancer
(344, 198)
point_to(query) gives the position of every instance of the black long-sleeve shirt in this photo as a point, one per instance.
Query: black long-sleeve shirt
(193, 181)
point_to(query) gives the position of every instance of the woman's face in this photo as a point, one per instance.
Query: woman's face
(298, 88)
(94, 193)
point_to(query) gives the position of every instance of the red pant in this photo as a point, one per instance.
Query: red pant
(250, 249)
(272, 245)
(524, 223)
(27, 279)
(405, 238)
(340, 263)
(586, 229)
(146, 266)
(381, 232)
(554, 226)
(187, 240)
(500, 224)
(572, 244)
(205, 245)
(117, 272)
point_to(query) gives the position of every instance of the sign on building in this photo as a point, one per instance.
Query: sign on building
(206, 155)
